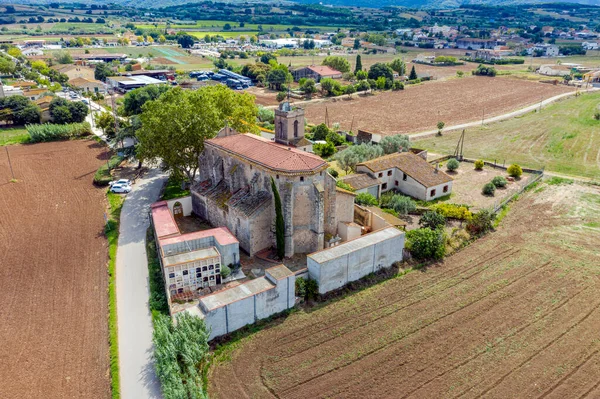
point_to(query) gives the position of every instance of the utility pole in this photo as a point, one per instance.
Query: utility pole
(115, 116)
(541, 101)
(10, 164)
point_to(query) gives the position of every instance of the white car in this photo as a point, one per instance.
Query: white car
(126, 182)
(120, 188)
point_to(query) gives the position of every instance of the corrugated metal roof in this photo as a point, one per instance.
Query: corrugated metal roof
(356, 244)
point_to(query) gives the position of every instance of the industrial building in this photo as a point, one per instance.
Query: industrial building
(127, 83)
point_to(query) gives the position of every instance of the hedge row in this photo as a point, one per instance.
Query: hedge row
(52, 132)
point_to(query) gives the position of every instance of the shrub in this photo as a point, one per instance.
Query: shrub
(225, 271)
(515, 171)
(385, 199)
(344, 185)
(398, 85)
(452, 211)
(499, 181)
(333, 172)
(432, 220)
(452, 164)
(281, 96)
(481, 222)
(301, 287)
(51, 132)
(312, 289)
(479, 164)
(489, 189)
(425, 243)
(366, 199)
(403, 205)
(597, 115)
(102, 176)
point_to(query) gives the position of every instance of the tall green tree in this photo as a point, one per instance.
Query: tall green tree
(380, 69)
(279, 222)
(358, 66)
(398, 66)
(135, 99)
(102, 71)
(413, 74)
(175, 125)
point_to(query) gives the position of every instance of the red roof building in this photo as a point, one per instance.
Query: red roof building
(264, 153)
(316, 72)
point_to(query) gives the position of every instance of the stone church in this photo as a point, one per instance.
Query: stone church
(234, 187)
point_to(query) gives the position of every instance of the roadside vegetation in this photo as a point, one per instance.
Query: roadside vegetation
(111, 231)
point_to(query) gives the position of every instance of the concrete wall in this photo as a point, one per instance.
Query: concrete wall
(335, 267)
(235, 315)
(230, 254)
(186, 203)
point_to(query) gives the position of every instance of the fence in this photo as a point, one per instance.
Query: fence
(530, 180)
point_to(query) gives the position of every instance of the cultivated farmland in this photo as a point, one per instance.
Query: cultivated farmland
(419, 108)
(53, 279)
(564, 138)
(516, 314)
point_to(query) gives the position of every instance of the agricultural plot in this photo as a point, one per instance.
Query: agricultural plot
(515, 314)
(53, 279)
(453, 101)
(564, 138)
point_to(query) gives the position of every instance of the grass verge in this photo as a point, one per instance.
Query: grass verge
(173, 189)
(13, 135)
(115, 204)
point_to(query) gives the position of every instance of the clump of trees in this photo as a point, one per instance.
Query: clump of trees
(63, 111)
(19, 110)
(338, 63)
(483, 70)
(350, 157)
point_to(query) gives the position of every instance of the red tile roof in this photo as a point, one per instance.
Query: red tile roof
(273, 156)
(324, 70)
(163, 221)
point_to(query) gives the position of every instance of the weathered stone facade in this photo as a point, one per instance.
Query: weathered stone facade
(234, 190)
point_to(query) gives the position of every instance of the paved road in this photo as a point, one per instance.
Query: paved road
(138, 380)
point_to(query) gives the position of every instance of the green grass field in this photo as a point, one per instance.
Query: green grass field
(218, 25)
(226, 35)
(564, 137)
(13, 135)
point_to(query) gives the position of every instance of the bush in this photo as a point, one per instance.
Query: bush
(499, 181)
(481, 222)
(102, 176)
(485, 71)
(515, 171)
(597, 115)
(425, 243)
(225, 271)
(366, 199)
(452, 211)
(479, 164)
(51, 132)
(301, 287)
(403, 205)
(398, 85)
(333, 172)
(312, 289)
(344, 185)
(281, 96)
(432, 220)
(489, 189)
(452, 164)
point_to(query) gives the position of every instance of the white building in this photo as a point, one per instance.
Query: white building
(409, 174)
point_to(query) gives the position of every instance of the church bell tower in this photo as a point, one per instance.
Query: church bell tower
(289, 124)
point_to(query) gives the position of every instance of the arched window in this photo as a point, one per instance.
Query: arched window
(280, 130)
(295, 128)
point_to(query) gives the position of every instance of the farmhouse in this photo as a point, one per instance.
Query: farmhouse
(234, 188)
(554, 70)
(86, 84)
(409, 174)
(316, 72)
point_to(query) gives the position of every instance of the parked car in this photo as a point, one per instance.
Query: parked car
(86, 102)
(120, 188)
(126, 182)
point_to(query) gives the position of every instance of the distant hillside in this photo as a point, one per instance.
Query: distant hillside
(439, 4)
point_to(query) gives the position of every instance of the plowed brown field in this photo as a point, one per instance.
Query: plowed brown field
(420, 108)
(514, 315)
(53, 276)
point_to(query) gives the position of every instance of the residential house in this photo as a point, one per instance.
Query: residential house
(476, 44)
(555, 70)
(409, 174)
(544, 50)
(75, 71)
(316, 72)
(44, 104)
(90, 85)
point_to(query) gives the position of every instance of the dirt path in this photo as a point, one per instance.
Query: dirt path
(53, 279)
(513, 315)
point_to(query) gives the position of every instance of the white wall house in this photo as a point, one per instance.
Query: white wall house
(409, 174)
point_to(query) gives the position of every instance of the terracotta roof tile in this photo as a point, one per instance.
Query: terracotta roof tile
(359, 181)
(411, 164)
(324, 70)
(277, 157)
